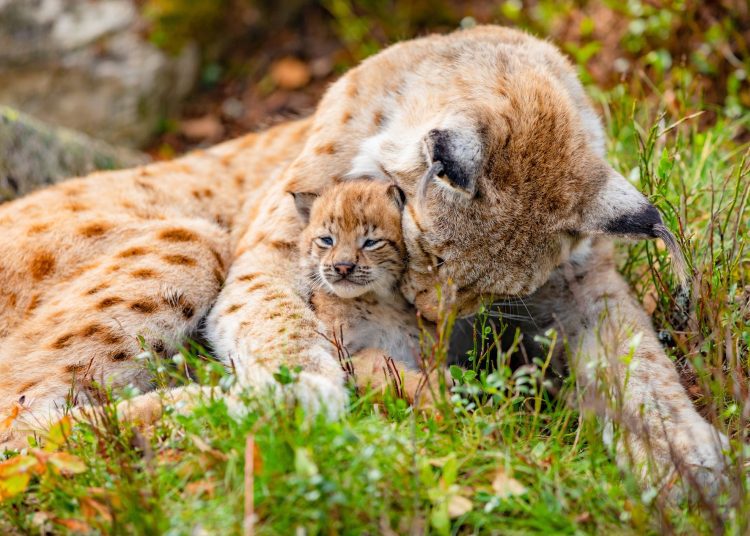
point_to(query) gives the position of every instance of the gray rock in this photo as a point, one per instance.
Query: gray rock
(84, 64)
(34, 154)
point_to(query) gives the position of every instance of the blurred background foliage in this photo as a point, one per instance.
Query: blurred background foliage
(264, 61)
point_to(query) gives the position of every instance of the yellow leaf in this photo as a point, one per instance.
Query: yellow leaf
(65, 463)
(506, 486)
(13, 485)
(18, 465)
(458, 506)
(58, 434)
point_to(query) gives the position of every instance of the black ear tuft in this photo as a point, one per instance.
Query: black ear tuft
(398, 196)
(641, 223)
(303, 201)
(647, 223)
(456, 157)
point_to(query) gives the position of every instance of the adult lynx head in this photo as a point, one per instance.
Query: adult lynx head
(490, 135)
(353, 243)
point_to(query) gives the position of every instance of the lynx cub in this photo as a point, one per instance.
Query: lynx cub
(353, 257)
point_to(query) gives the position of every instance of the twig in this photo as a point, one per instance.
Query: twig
(248, 524)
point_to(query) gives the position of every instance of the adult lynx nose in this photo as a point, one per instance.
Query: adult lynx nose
(344, 268)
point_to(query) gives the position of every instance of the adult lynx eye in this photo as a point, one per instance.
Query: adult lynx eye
(372, 243)
(324, 241)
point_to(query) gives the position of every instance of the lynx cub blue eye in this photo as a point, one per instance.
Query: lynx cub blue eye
(370, 243)
(325, 241)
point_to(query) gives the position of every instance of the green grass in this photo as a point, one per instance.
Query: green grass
(513, 463)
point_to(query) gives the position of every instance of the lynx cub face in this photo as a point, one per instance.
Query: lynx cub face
(352, 244)
(353, 258)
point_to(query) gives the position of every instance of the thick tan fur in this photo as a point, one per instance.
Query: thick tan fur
(489, 134)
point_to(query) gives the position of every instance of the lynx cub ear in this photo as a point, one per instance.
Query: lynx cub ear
(398, 196)
(456, 159)
(303, 202)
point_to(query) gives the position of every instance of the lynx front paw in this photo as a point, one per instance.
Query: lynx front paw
(701, 463)
(320, 392)
(690, 464)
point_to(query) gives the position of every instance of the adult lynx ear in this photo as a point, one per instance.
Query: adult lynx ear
(303, 201)
(456, 159)
(620, 209)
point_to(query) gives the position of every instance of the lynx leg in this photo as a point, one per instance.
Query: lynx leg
(624, 374)
(622, 369)
(155, 287)
(259, 324)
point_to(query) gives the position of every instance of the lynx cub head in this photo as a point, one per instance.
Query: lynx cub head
(352, 243)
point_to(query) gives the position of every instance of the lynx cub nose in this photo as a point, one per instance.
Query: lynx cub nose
(344, 268)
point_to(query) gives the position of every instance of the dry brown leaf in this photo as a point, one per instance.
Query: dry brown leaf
(169, 456)
(91, 509)
(66, 463)
(208, 449)
(206, 127)
(583, 517)
(290, 73)
(458, 506)
(505, 485)
(201, 487)
(75, 525)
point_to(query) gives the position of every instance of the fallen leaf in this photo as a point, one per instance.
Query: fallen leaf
(58, 434)
(290, 73)
(321, 67)
(65, 463)
(75, 525)
(201, 128)
(458, 506)
(91, 509)
(170, 456)
(18, 465)
(208, 449)
(105, 495)
(506, 486)
(583, 517)
(13, 485)
(202, 487)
